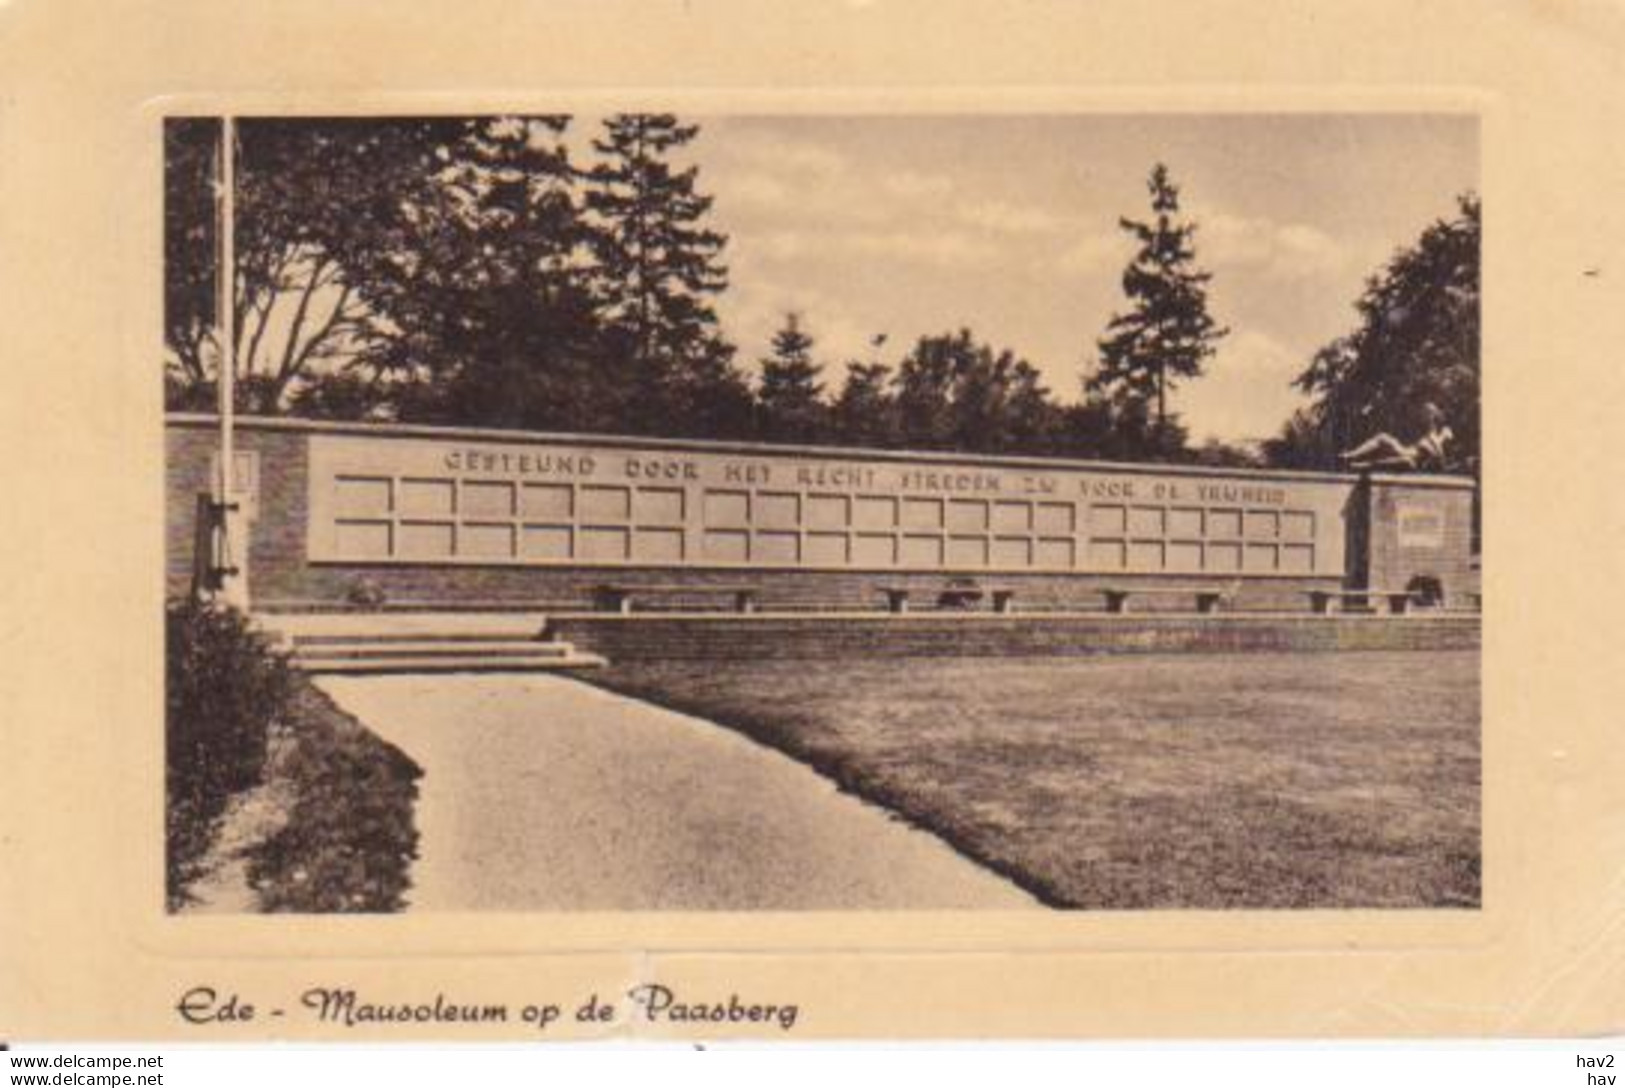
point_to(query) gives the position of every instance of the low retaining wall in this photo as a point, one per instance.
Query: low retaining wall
(722, 637)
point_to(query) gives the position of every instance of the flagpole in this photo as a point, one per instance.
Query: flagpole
(228, 570)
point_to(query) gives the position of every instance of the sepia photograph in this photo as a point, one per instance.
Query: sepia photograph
(641, 511)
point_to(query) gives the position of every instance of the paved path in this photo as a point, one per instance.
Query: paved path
(544, 793)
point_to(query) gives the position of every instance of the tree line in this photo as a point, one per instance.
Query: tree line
(473, 271)
(454, 271)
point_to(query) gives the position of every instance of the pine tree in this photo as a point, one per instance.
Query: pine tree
(658, 267)
(865, 413)
(1034, 419)
(492, 298)
(1167, 334)
(790, 401)
(926, 385)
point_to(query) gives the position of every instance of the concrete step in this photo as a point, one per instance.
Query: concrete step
(422, 642)
(440, 663)
(297, 625)
(427, 647)
(391, 638)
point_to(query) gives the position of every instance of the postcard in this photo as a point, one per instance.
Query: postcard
(871, 521)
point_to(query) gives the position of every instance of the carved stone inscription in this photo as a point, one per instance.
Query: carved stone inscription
(415, 500)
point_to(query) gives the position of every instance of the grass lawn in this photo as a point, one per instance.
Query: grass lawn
(1253, 780)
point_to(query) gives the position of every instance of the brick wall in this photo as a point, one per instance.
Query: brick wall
(1419, 528)
(276, 550)
(699, 638)
(537, 587)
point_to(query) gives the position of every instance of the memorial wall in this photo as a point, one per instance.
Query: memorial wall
(416, 500)
(475, 517)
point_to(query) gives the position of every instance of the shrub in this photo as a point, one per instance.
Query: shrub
(350, 839)
(225, 686)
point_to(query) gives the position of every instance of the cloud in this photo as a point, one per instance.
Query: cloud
(913, 185)
(760, 189)
(776, 245)
(1096, 254)
(914, 245)
(789, 181)
(781, 154)
(1004, 217)
(1258, 355)
(753, 311)
(942, 249)
(1246, 389)
(1278, 250)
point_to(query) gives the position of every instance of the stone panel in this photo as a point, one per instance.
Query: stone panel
(605, 503)
(1185, 556)
(827, 549)
(922, 513)
(1261, 558)
(548, 501)
(1012, 551)
(874, 512)
(362, 496)
(1185, 523)
(426, 498)
(922, 551)
(726, 546)
(657, 504)
(776, 510)
(363, 539)
(874, 550)
(548, 542)
(1012, 517)
(1057, 554)
(829, 511)
(482, 541)
(727, 508)
(427, 539)
(775, 548)
(487, 499)
(1055, 518)
(967, 515)
(967, 551)
(657, 546)
(609, 544)
(1223, 557)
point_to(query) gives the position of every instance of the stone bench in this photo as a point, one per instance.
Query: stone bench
(1002, 598)
(1325, 602)
(620, 598)
(1207, 600)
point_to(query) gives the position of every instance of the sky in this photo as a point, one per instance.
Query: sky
(1007, 224)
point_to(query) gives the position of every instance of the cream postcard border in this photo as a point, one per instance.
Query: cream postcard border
(87, 950)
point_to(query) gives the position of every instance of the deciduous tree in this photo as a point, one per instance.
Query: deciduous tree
(1416, 343)
(954, 392)
(315, 201)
